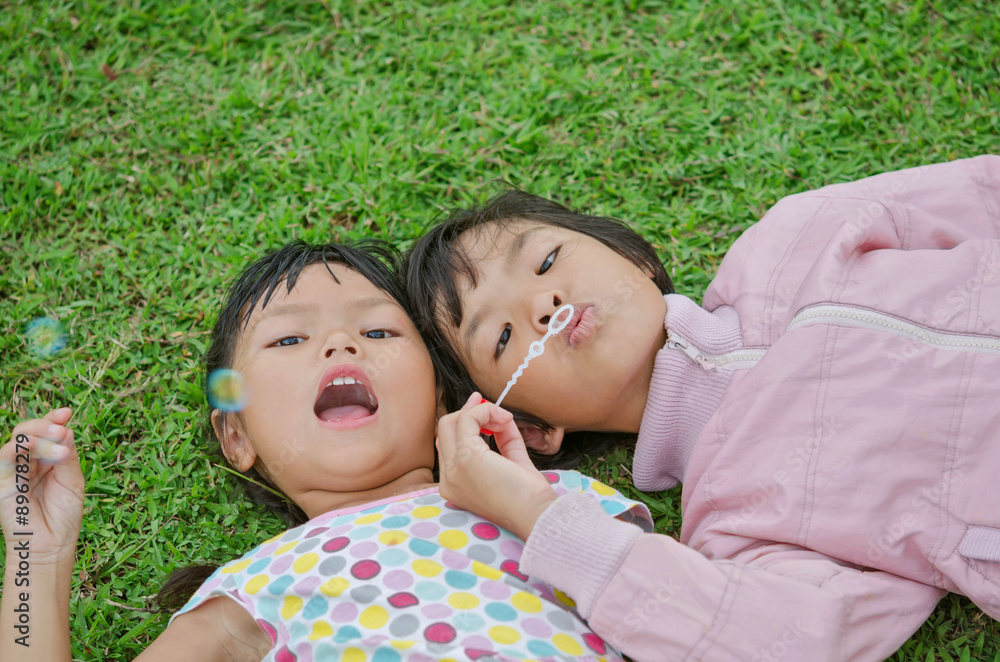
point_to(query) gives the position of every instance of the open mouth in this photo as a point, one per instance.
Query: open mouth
(345, 398)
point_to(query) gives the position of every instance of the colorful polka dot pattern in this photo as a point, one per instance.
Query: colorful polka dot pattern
(410, 579)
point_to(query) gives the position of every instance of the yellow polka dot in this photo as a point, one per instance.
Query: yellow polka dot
(463, 600)
(423, 512)
(601, 488)
(567, 644)
(236, 567)
(368, 519)
(453, 539)
(255, 584)
(354, 655)
(321, 630)
(287, 547)
(403, 644)
(486, 571)
(503, 634)
(526, 602)
(374, 617)
(565, 599)
(293, 604)
(391, 537)
(426, 568)
(305, 562)
(275, 538)
(334, 587)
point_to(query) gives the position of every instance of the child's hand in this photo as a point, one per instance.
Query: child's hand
(46, 497)
(506, 489)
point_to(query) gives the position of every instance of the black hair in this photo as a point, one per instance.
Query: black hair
(437, 260)
(258, 283)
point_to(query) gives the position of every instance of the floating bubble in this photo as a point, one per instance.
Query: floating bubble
(45, 337)
(227, 390)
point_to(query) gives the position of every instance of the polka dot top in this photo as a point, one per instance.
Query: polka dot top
(411, 578)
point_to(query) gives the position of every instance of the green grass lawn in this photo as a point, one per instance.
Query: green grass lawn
(149, 149)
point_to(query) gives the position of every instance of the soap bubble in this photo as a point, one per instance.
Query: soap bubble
(227, 390)
(45, 337)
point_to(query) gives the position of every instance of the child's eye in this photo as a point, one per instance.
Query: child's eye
(548, 262)
(377, 334)
(502, 342)
(288, 341)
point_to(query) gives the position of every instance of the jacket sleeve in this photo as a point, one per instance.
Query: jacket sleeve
(655, 599)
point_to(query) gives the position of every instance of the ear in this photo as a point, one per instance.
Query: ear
(235, 444)
(546, 443)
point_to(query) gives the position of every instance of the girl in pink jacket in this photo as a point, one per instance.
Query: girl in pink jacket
(831, 409)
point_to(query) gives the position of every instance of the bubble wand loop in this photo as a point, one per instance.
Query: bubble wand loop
(538, 347)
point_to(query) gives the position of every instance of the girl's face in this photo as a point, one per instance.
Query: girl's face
(592, 373)
(341, 390)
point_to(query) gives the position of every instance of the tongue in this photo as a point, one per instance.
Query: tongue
(345, 413)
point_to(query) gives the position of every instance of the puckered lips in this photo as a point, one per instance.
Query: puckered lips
(345, 398)
(581, 326)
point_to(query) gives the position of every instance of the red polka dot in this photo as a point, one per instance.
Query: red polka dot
(285, 655)
(439, 633)
(366, 569)
(486, 531)
(552, 478)
(475, 653)
(403, 599)
(336, 544)
(513, 568)
(316, 532)
(595, 643)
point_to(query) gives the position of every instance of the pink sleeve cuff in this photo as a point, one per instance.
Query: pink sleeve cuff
(577, 547)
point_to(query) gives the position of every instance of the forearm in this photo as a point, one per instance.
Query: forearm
(34, 608)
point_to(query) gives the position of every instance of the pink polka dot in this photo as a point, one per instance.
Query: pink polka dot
(486, 531)
(307, 585)
(477, 642)
(403, 600)
(513, 568)
(283, 563)
(536, 627)
(595, 643)
(340, 530)
(266, 550)
(512, 549)
(284, 655)
(494, 590)
(436, 610)
(336, 544)
(425, 529)
(452, 559)
(268, 630)
(212, 583)
(397, 580)
(439, 633)
(551, 477)
(364, 549)
(344, 612)
(475, 653)
(315, 532)
(365, 569)
(398, 508)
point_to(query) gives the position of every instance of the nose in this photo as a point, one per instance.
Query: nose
(342, 343)
(544, 305)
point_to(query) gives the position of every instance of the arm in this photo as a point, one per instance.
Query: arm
(218, 630)
(655, 598)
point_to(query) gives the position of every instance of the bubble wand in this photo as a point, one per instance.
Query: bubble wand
(537, 348)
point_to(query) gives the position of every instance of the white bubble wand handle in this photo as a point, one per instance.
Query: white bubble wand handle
(538, 347)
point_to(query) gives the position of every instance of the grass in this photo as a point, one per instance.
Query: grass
(149, 149)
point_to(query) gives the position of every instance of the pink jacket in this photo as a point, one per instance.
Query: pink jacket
(834, 414)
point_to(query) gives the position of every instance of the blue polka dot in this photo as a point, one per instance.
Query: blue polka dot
(259, 566)
(430, 591)
(423, 547)
(346, 633)
(468, 621)
(392, 557)
(298, 631)
(395, 522)
(459, 580)
(571, 480)
(278, 586)
(374, 509)
(386, 655)
(315, 608)
(267, 609)
(363, 532)
(498, 611)
(612, 507)
(541, 648)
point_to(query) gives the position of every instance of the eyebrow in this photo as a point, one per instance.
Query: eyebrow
(292, 309)
(514, 252)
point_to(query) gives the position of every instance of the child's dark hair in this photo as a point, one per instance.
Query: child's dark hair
(258, 282)
(437, 260)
